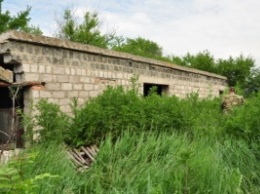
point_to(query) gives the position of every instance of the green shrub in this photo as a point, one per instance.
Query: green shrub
(117, 109)
(48, 121)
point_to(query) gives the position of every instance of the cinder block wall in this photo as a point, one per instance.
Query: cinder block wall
(76, 70)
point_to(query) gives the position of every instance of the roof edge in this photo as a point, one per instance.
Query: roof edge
(13, 35)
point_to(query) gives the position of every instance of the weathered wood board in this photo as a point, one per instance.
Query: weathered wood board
(6, 75)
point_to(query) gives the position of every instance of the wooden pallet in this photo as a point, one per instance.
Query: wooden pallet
(83, 157)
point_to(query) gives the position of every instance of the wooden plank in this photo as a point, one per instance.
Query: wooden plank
(88, 154)
(73, 158)
(6, 75)
(82, 160)
(76, 157)
(23, 84)
(91, 152)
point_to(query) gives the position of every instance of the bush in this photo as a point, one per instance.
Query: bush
(244, 122)
(117, 109)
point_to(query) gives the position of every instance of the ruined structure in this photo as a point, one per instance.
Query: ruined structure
(59, 70)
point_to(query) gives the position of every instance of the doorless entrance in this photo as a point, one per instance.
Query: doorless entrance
(160, 89)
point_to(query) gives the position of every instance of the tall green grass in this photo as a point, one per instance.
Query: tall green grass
(147, 145)
(150, 163)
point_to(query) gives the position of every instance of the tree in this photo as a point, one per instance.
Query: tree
(252, 83)
(86, 32)
(203, 61)
(236, 70)
(177, 60)
(19, 22)
(139, 46)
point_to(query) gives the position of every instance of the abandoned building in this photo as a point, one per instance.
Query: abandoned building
(35, 67)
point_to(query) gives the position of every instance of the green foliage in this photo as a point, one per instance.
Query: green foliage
(236, 70)
(251, 85)
(203, 61)
(47, 121)
(19, 22)
(139, 46)
(244, 122)
(13, 176)
(153, 144)
(52, 159)
(150, 163)
(86, 32)
(117, 110)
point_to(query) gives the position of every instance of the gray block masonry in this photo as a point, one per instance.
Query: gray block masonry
(71, 69)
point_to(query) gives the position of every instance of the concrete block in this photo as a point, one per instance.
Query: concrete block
(62, 78)
(47, 78)
(45, 94)
(31, 77)
(72, 94)
(77, 86)
(83, 94)
(66, 86)
(26, 67)
(53, 86)
(88, 87)
(84, 79)
(48, 69)
(84, 72)
(72, 71)
(79, 71)
(41, 69)
(58, 94)
(67, 71)
(74, 79)
(34, 69)
(59, 70)
(35, 94)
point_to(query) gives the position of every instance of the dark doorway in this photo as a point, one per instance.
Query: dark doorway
(6, 116)
(160, 89)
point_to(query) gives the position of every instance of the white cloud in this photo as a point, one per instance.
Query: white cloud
(223, 27)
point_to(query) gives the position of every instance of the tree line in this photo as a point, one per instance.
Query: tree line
(240, 71)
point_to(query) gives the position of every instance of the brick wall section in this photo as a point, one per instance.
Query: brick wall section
(77, 70)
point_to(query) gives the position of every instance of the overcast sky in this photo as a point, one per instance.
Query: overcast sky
(223, 27)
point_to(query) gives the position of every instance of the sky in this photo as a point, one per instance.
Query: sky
(222, 27)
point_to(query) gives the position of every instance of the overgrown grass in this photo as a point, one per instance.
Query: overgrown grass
(147, 145)
(150, 163)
